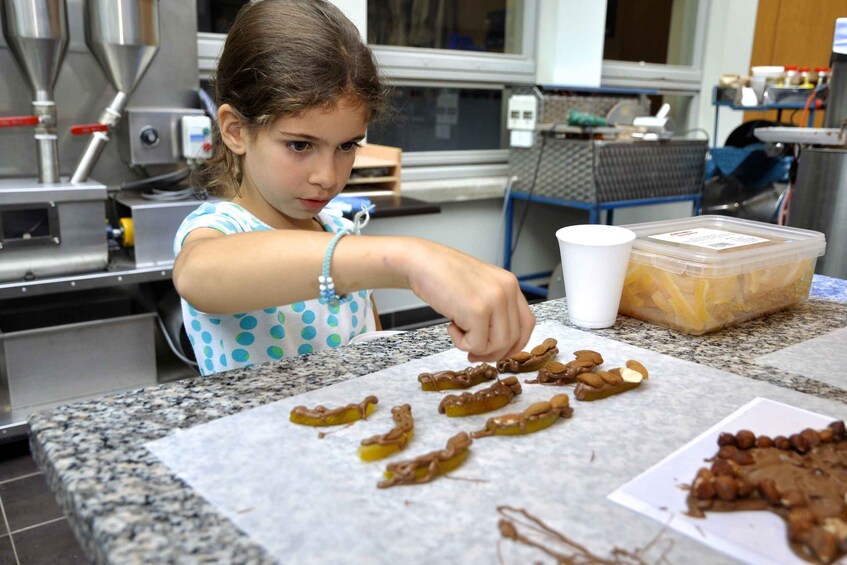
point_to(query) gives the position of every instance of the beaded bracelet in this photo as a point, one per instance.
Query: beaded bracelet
(325, 283)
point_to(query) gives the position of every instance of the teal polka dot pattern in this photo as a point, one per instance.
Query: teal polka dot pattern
(245, 338)
(225, 342)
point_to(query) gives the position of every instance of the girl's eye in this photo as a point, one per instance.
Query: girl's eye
(349, 146)
(298, 146)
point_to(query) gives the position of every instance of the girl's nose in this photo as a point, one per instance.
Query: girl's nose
(323, 173)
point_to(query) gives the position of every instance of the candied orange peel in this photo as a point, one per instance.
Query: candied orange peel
(467, 404)
(381, 446)
(535, 417)
(426, 467)
(449, 380)
(322, 416)
(602, 384)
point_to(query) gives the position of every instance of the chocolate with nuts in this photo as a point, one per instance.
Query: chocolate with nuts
(466, 378)
(602, 384)
(496, 396)
(523, 362)
(557, 374)
(802, 478)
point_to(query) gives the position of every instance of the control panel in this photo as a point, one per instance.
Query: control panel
(161, 136)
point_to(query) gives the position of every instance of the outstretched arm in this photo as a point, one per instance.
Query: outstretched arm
(489, 316)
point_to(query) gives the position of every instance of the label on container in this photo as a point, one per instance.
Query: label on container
(709, 238)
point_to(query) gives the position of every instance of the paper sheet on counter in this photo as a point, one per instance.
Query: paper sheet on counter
(823, 358)
(305, 498)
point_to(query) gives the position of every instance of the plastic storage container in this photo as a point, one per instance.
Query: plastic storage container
(697, 275)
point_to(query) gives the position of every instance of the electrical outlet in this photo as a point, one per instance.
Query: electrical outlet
(523, 112)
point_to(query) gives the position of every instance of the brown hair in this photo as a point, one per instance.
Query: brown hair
(281, 58)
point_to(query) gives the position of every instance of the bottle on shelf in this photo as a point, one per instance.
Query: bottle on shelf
(823, 75)
(806, 78)
(792, 76)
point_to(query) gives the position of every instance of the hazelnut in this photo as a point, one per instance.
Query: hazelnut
(767, 490)
(800, 523)
(799, 443)
(704, 489)
(811, 437)
(704, 473)
(826, 435)
(764, 442)
(726, 439)
(726, 488)
(838, 430)
(744, 488)
(745, 439)
(781, 442)
(823, 543)
(721, 467)
(727, 451)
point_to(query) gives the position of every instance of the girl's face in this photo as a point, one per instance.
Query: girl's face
(293, 168)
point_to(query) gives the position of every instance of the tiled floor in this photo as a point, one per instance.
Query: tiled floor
(33, 529)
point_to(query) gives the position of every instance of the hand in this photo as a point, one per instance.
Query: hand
(489, 316)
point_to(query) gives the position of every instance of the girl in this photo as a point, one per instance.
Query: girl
(296, 88)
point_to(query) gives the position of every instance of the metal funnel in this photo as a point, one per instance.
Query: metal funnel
(123, 36)
(36, 32)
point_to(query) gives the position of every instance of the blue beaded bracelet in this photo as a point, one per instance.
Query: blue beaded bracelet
(326, 285)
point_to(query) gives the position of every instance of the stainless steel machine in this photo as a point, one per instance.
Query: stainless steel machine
(819, 199)
(98, 99)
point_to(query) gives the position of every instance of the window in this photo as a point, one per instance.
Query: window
(216, 16)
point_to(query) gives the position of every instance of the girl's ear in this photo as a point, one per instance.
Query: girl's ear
(232, 132)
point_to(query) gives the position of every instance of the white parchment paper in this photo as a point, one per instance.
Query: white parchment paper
(310, 500)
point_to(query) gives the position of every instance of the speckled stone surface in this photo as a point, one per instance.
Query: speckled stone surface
(126, 507)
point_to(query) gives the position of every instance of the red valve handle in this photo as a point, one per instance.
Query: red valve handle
(85, 129)
(18, 121)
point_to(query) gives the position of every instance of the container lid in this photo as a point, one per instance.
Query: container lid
(718, 246)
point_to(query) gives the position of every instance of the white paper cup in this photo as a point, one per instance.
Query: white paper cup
(594, 261)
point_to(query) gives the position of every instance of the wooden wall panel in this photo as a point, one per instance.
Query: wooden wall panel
(794, 32)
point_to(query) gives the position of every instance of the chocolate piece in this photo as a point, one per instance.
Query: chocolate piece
(426, 467)
(803, 479)
(594, 386)
(536, 416)
(398, 435)
(449, 380)
(323, 416)
(496, 396)
(554, 373)
(523, 362)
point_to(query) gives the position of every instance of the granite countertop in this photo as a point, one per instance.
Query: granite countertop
(126, 506)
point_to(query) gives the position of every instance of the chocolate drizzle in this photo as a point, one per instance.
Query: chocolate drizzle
(496, 396)
(465, 378)
(557, 407)
(322, 414)
(426, 467)
(399, 436)
(802, 478)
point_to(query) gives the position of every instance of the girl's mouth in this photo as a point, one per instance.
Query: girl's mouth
(314, 204)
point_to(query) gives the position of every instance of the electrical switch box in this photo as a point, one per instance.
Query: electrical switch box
(153, 136)
(196, 137)
(522, 118)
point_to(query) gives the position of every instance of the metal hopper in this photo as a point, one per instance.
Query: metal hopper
(36, 32)
(123, 36)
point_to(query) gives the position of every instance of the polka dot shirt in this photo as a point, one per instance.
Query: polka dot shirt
(223, 342)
